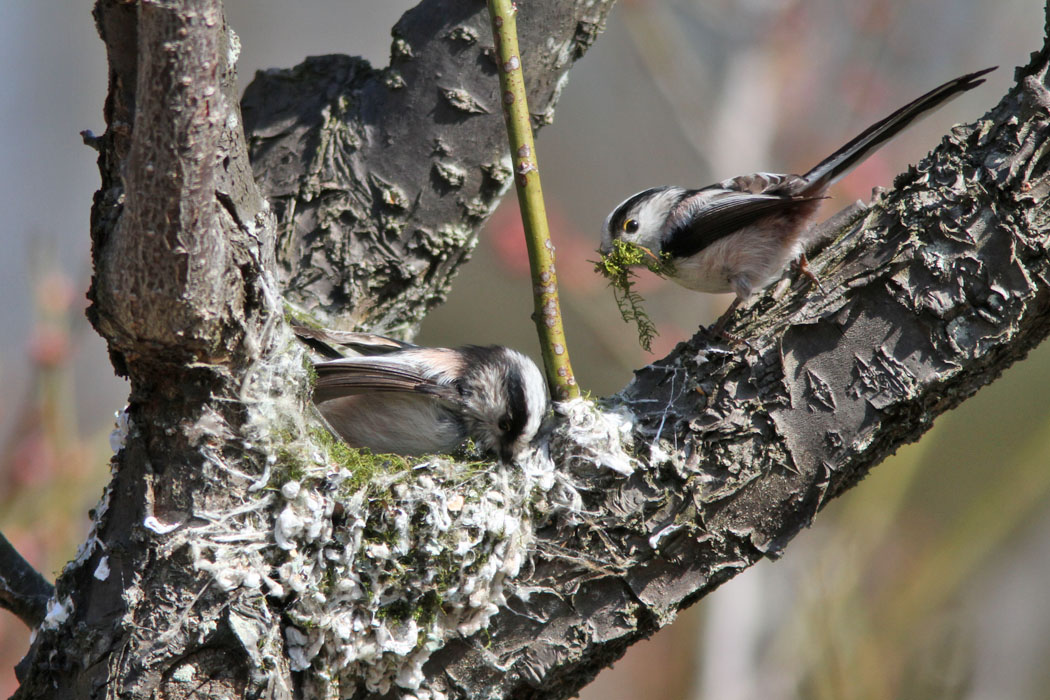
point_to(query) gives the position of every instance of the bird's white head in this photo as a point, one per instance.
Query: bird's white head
(640, 219)
(505, 399)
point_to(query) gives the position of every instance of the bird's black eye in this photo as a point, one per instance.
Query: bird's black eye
(504, 424)
(630, 226)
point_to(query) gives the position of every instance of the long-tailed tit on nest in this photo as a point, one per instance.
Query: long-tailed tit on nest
(391, 396)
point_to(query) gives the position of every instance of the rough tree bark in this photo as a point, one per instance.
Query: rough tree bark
(206, 574)
(381, 179)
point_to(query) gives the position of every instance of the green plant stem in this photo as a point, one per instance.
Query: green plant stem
(530, 198)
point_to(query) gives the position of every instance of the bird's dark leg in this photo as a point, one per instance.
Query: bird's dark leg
(802, 265)
(719, 327)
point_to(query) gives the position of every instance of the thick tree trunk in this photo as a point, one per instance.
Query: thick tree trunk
(184, 293)
(236, 554)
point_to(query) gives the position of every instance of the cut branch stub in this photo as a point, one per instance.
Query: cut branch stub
(23, 590)
(172, 251)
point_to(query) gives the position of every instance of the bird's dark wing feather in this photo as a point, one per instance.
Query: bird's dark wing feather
(332, 343)
(721, 215)
(351, 376)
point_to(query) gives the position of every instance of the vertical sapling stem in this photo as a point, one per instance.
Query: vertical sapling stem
(547, 313)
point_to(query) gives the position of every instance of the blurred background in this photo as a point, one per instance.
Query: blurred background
(927, 581)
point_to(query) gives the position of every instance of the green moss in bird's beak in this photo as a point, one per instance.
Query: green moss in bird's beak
(616, 267)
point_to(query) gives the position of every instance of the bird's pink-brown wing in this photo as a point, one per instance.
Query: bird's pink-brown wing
(428, 371)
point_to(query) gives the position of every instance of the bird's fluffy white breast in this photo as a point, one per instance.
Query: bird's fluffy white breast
(739, 263)
(392, 422)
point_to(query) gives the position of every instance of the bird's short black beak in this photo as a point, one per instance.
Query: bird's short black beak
(506, 454)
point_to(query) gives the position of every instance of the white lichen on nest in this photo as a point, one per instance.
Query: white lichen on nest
(385, 572)
(378, 561)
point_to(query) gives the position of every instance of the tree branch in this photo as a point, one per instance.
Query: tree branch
(23, 590)
(381, 179)
(183, 293)
(229, 551)
(940, 286)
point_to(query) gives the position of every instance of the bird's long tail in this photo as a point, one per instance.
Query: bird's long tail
(835, 166)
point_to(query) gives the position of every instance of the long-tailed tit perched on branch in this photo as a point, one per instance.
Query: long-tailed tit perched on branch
(391, 396)
(739, 235)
